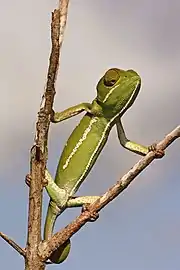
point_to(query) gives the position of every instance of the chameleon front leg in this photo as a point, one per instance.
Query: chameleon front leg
(133, 146)
(70, 112)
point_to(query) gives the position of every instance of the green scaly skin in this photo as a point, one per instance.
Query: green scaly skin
(116, 92)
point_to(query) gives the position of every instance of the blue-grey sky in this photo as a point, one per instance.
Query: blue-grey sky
(140, 229)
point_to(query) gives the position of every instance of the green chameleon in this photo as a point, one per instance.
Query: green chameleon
(116, 92)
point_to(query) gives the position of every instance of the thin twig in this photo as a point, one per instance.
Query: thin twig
(60, 237)
(59, 19)
(13, 244)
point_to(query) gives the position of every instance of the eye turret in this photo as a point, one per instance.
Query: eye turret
(111, 77)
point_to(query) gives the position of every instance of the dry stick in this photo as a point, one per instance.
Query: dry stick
(38, 152)
(13, 244)
(60, 237)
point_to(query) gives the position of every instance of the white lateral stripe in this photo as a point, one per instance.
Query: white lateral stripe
(129, 101)
(83, 138)
(110, 92)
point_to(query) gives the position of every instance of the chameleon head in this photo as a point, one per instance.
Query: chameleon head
(117, 90)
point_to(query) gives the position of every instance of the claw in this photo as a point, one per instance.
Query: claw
(94, 216)
(159, 153)
(28, 179)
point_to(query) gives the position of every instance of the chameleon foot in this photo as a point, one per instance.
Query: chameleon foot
(159, 153)
(28, 179)
(94, 216)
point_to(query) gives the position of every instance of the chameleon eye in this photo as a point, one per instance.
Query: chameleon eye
(111, 77)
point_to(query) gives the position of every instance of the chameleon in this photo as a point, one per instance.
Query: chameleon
(116, 92)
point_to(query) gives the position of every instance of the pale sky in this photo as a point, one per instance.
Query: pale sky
(140, 229)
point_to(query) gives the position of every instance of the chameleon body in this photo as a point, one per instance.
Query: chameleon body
(116, 92)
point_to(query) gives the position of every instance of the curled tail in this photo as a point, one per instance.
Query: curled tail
(60, 254)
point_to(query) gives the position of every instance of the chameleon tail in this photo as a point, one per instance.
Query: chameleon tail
(60, 254)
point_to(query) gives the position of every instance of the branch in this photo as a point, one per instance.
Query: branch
(39, 150)
(13, 244)
(48, 247)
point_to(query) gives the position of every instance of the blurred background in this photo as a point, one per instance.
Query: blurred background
(140, 229)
